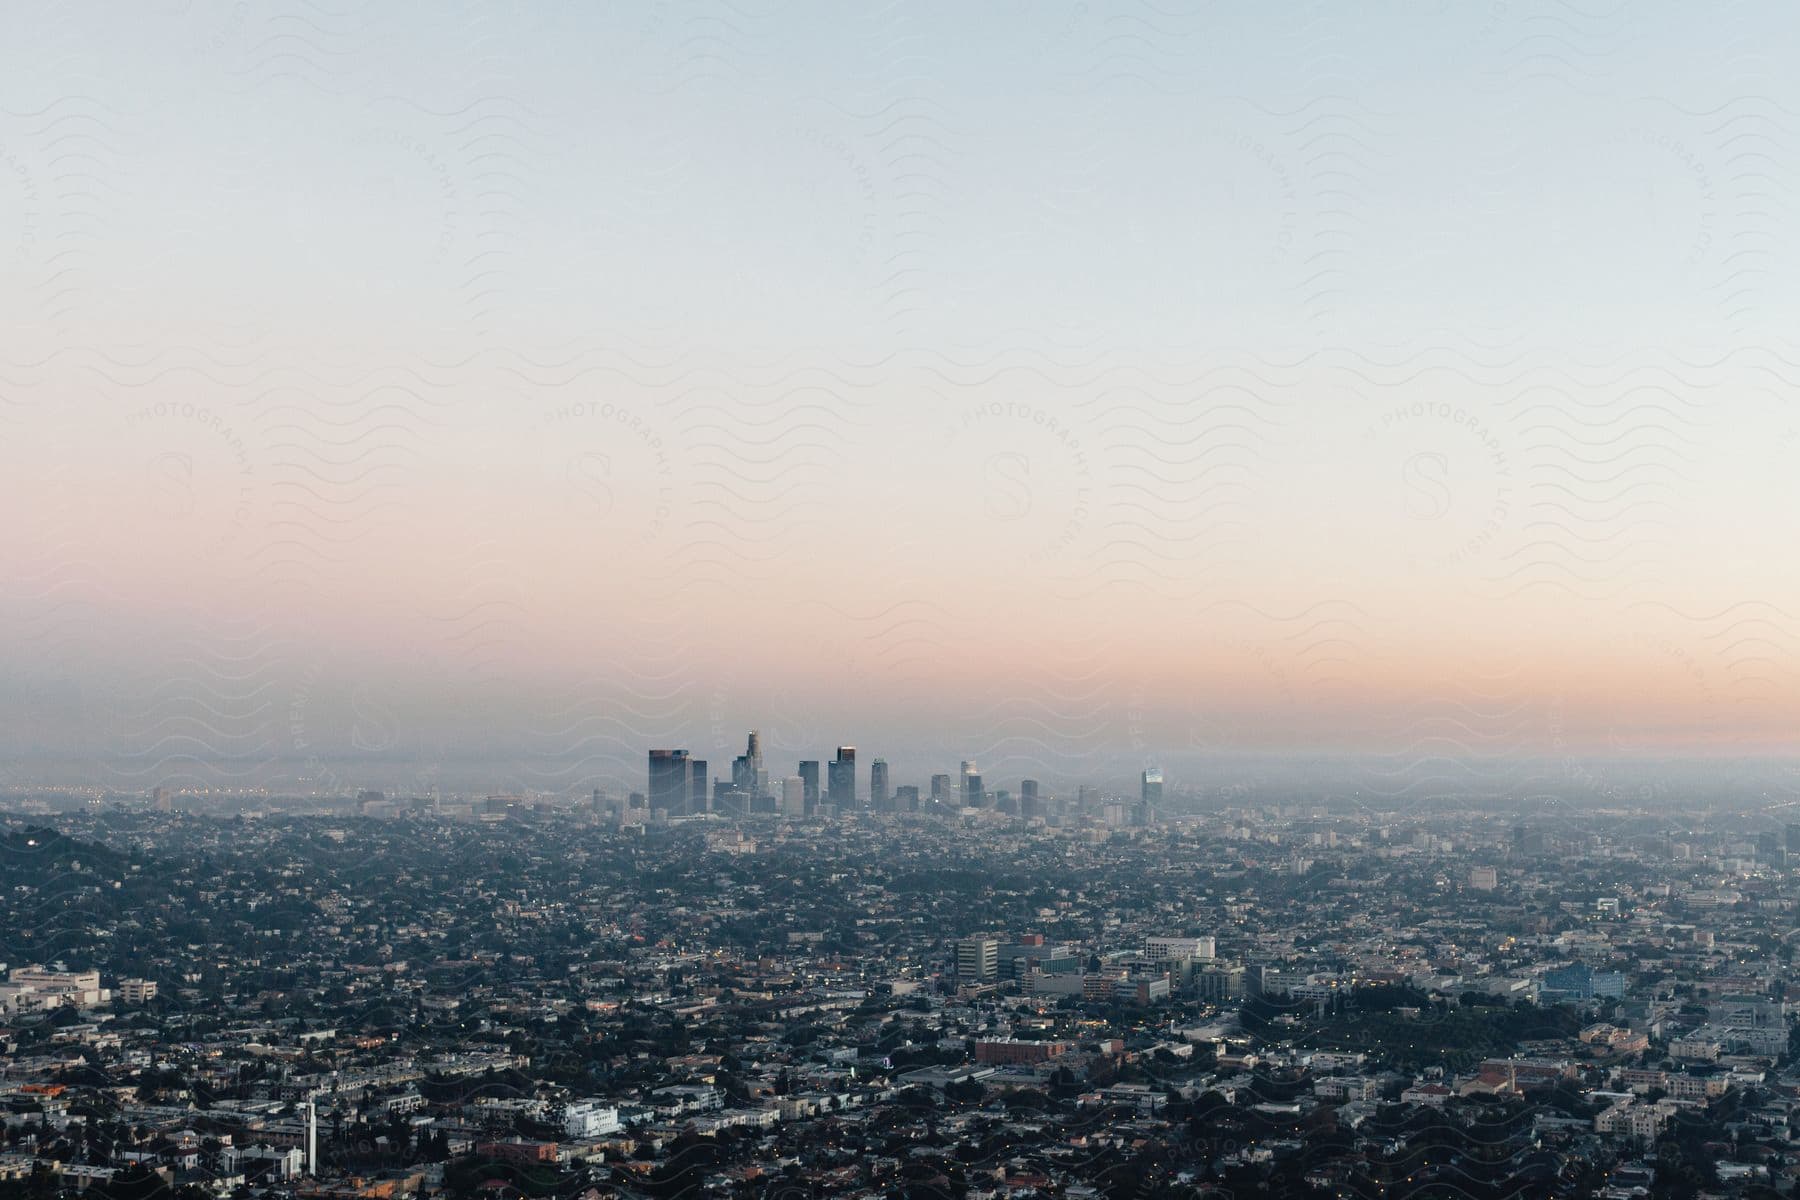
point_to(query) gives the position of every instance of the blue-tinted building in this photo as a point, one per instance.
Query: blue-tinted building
(1582, 982)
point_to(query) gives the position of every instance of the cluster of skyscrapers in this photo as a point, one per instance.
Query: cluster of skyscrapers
(679, 786)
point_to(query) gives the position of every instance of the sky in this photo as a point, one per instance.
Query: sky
(491, 392)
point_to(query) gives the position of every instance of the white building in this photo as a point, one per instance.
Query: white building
(136, 991)
(281, 1163)
(590, 1119)
(1635, 1120)
(1200, 949)
(682, 1098)
(35, 989)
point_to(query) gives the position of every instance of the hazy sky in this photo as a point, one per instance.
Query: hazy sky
(1067, 387)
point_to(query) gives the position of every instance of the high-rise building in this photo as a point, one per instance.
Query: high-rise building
(729, 798)
(841, 779)
(940, 790)
(977, 958)
(878, 785)
(1152, 790)
(1526, 840)
(669, 787)
(699, 796)
(160, 797)
(747, 771)
(1028, 799)
(793, 796)
(1793, 839)
(1220, 983)
(840, 784)
(906, 798)
(809, 779)
(972, 789)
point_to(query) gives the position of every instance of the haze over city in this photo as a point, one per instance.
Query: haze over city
(741, 600)
(1067, 388)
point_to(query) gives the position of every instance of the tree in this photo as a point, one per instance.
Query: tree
(135, 1182)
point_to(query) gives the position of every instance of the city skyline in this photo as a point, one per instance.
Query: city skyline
(1029, 387)
(676, 786)
(1090, 600)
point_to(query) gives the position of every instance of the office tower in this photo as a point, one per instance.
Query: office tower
(1793, 839)
(1028, 799)
(160, 797)
(841, 779)
(669, 789)
(1033, 954)
(1526, 840)
(878, 785)
(1152, 793)
(809, 779)
(1085, 797)
(940, 790)
(698, 792)
(840, 784)
(977, 958)
(793, 796)
(1219, 984)
(747, 771)
(906, 799)
(972, 790)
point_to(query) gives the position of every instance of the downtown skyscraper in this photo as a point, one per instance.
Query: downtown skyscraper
(748, 775)
(670, 784)
(841, 779)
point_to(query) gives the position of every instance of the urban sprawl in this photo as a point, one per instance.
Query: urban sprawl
(795, 987)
